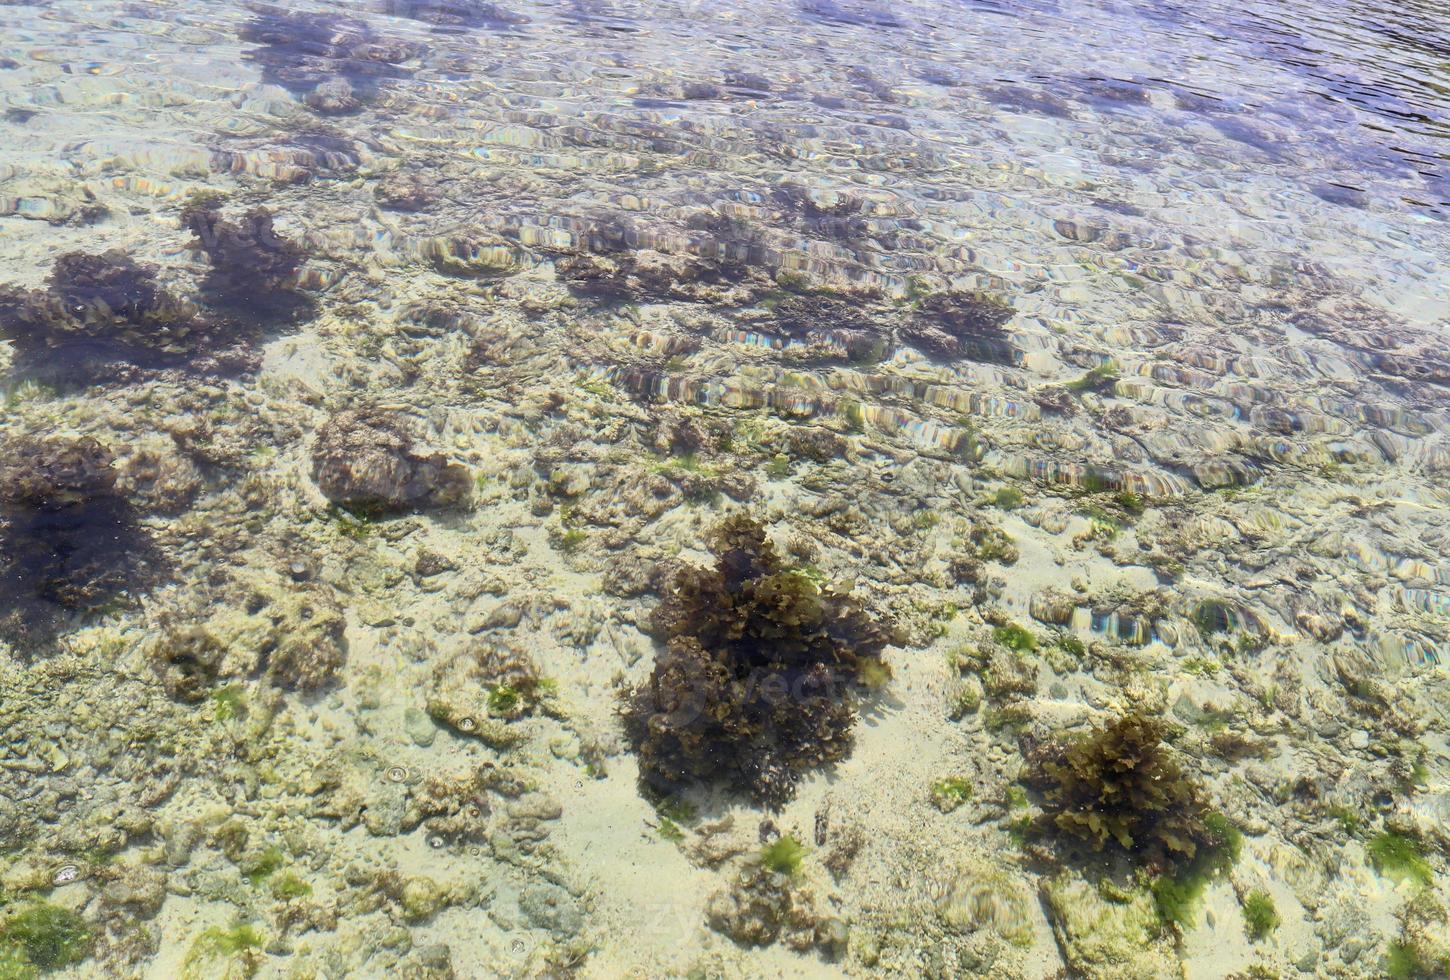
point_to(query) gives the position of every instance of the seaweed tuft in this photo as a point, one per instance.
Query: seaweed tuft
(783, 855)
(45, 937)
(1260, 915)
(253, 272)
(761, 674)
(1119, 789)
(69, 540)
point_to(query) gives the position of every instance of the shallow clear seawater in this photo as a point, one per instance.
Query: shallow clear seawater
(376, 373)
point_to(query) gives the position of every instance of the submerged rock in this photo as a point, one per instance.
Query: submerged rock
(482, 688)
(365, 461)
(984, 898)
(1108, 937)
(761, 906)
(405, 192)
(309, 658)
(293, 634)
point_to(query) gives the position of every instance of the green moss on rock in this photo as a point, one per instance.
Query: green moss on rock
(1108, 935)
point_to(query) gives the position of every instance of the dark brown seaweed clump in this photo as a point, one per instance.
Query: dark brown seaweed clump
(832, 321)
(1026, 100)
(455, 13)
(334, 64)
(101, 317)
(365, 462)
(68, 540)
(953, 325)
(647, 276)
(1119, 789)
(760, 676)
(98, 309)
(253, 269)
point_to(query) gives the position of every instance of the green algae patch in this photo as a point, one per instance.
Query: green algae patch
(288, 886)
(1015, 637)
(950, 792)
(42, 937)
(1178, 894)
(1261, 917)
(783, 855)
(233, 953)
(1400, 858)
(265, 865)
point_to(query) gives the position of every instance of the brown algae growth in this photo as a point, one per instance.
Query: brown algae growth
(786, 490)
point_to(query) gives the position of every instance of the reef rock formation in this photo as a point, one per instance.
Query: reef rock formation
(364, 461)
(187, 662)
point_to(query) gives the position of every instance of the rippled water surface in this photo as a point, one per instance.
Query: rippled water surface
(657, 489)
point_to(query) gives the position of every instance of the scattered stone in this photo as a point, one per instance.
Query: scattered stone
(431, 563)
(419, 727)
(550, 907)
